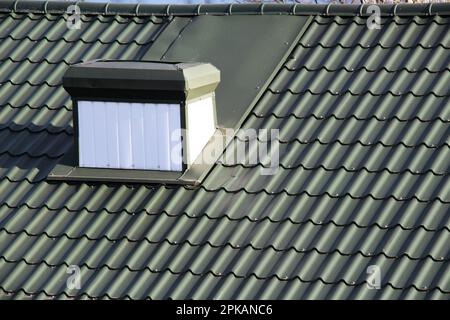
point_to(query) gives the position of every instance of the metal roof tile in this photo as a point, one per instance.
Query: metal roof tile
(364, 119)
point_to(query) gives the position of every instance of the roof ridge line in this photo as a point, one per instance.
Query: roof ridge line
(60, 7)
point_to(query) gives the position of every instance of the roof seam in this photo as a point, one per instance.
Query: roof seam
(45, 38)
(364, 144)
(27, 59)
(243, 217)
(348, 91)
(9, 105)
(62, 39)
(364, 68)
(362, 21)
(29, 154)
(282, 191)
(337, 168)
(350, 284)
(352, 116)
(382, 46)
(84, 294)
(66, 131)
(155, 270)
(30, 15)
(222, 245)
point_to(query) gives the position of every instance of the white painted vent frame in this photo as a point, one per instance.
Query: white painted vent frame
(186, 158)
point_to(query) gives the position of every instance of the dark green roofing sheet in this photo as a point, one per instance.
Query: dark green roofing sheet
(364, 121)
(240, 53)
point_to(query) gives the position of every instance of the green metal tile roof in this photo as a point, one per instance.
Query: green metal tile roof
(364, 119)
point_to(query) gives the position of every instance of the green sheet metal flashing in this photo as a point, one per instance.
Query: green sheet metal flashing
(133, 9)
(67, 170)
(238, 46)
(152, 81)
(72, 173)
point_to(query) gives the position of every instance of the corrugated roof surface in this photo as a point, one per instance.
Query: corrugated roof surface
(364, 119)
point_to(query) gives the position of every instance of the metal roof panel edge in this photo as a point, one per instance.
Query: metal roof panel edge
(133, 9)
(140, 79)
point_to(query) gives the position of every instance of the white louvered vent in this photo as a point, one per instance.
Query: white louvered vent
(120, 135)
(142, 115)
